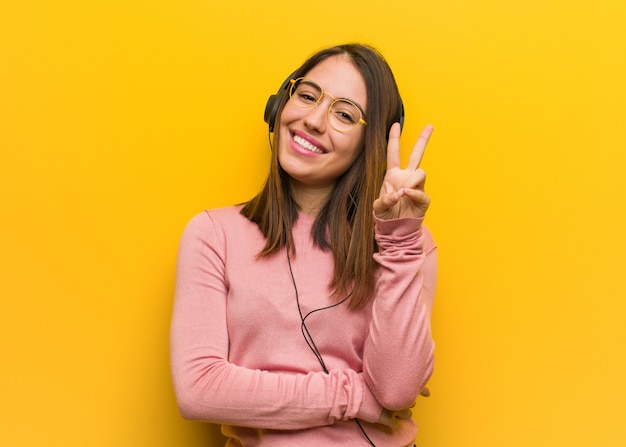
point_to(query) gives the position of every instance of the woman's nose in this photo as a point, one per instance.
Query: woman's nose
(317, 116)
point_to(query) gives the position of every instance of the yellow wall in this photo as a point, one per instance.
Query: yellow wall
(120, 119)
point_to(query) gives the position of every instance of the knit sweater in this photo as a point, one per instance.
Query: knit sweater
(239, 356)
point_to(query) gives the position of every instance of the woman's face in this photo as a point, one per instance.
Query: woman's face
(310, 150)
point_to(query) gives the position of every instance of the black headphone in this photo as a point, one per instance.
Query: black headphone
(273, 103)
(271, 108)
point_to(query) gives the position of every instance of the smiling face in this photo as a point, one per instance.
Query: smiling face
(310, 150)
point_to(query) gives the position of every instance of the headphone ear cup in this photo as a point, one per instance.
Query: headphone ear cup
(273, 103)
(271, 110)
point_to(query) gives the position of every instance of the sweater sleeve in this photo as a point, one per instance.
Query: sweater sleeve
(210, 388)
(398, 356)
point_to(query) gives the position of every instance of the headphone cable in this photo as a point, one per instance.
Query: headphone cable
(309, 338)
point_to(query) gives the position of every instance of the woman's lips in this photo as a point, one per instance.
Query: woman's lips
(307, 144)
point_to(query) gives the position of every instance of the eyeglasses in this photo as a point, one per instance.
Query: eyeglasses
(343, 114)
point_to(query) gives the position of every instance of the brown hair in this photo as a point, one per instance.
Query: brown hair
(345, 224)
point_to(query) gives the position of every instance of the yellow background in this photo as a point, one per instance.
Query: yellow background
(121, 119)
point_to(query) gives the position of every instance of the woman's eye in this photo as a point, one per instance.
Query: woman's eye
(345, 113)
(307, 97)
(346, 117)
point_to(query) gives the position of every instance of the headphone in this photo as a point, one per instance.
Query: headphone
(273, 103)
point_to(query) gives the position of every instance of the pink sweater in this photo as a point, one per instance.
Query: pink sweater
(238, 354)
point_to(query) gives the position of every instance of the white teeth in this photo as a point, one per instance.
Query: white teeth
(307, 145)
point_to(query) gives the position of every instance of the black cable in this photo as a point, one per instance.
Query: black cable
(303, 327)
(364, 434)
(309, 338)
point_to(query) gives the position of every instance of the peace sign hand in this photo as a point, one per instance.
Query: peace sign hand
(402, 193)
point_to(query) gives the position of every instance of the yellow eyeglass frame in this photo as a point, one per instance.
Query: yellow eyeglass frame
(319, 100)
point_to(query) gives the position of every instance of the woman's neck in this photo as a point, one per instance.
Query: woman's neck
(310, 200)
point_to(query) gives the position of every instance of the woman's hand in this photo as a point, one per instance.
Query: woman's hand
(402, 193)
(392, 419)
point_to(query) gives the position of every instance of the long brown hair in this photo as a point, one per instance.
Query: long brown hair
(345, 224)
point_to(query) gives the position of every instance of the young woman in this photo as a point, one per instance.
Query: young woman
(302, 317)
